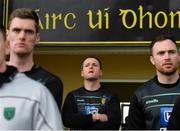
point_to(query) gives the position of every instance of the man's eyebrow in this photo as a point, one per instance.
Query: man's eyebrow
(16, 28)
(31, 30)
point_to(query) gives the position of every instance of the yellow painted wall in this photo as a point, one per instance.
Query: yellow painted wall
(115, 67)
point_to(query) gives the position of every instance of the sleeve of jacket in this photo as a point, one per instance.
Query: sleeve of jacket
(70, 116)
(174, 120)
(136, 120)
(55, 86)
(114, 116)
(46, 113)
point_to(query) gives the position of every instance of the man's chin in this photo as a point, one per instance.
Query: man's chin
(22, 54)
(91, 79)
(169, 72)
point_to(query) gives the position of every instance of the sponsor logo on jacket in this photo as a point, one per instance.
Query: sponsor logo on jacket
(152, 101)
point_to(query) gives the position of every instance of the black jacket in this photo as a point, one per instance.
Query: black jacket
(8, 75)
(152, 104)
(52, 82)
(174, 120)
(81, 103)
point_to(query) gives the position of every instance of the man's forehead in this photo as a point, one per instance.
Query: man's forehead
(17, 22)
(164, 45)
(91, 60)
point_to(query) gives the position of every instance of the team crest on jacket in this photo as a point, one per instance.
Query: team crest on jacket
(9, 113)
(103, 101)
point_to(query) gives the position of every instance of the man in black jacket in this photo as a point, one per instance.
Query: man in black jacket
(152, 103)
(92, 106)
(23, 33)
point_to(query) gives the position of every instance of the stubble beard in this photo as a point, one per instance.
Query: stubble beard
(168, 72)
(23, 54)
(92, 79)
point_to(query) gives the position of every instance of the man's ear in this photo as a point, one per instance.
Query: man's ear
(82, 74)
(152, 60)
(37, 37)
(179, 56)
(101, 73)
(7, 34)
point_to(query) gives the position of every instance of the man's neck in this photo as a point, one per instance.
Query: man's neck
(2, 67)
(21, 63)
(168, 79)
(92, 85)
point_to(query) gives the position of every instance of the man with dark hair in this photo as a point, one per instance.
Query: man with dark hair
(92, 106)
(25, 104)
(23, 33)
(152, 103)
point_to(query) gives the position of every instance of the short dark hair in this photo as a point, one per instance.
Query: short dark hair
(3, 31)
(25, 13)
(100, 63)
(161, 38)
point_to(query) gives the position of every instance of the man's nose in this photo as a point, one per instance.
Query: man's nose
(22, 35)
(167, 55)
(91, 66)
